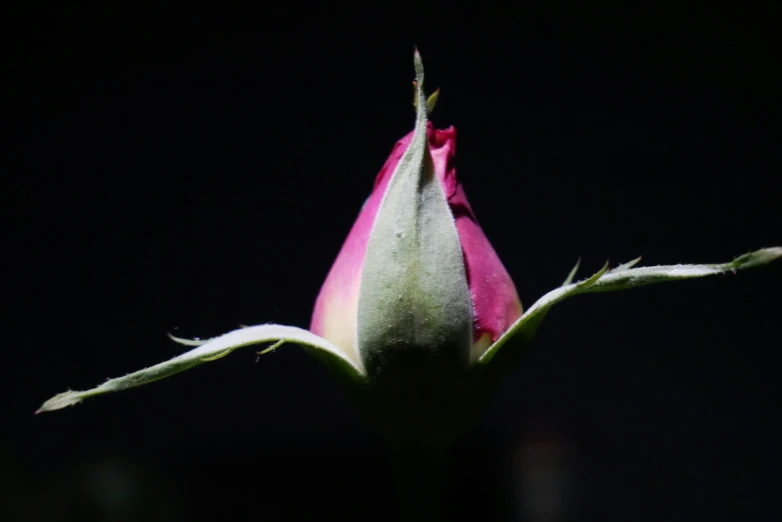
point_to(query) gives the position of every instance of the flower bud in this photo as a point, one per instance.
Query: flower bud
(416, 278)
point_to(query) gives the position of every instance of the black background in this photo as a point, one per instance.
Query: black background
(195, 169)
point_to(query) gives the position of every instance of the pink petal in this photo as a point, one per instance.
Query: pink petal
(496, 304)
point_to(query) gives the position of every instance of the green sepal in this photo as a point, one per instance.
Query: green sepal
(414, 303)
(622, 277)
(214, 349)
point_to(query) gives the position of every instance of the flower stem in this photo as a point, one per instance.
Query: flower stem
(421, 474)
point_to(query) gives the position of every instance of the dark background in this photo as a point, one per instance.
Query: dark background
(195, 169)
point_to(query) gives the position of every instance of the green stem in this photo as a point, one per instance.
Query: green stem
(421, 475)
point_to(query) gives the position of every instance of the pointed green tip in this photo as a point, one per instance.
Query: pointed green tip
(419, 68)
(757, 258)
(60, 401)
(628, 265)
(431, 101)
(572, 273)
(418, 86)
(420, 98)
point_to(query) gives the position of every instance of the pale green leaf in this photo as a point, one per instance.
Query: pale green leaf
(211, 350)
(621, 278)
(646, 275)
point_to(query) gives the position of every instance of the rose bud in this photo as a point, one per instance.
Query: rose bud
(417, 306)
(416, 275)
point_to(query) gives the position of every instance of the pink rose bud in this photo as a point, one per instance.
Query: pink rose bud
(417, 306)
(416, 274)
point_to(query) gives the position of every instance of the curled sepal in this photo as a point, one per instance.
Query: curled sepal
(214, 349)
(622, 277)
(527, 324)
(189, 342)
(195, 341)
